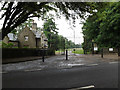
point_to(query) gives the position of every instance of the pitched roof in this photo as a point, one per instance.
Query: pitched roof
(37, 33)
(12, 37)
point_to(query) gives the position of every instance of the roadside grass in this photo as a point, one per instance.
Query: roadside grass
(88, 52)
(78, 51)
(59, 51)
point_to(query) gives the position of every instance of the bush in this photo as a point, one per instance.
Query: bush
(9, 45)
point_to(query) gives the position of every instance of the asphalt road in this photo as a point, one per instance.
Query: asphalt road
(104, 75)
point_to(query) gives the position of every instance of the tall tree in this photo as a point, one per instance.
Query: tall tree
(103, 27)
(110, 28)
(15, 13)
(50, 31)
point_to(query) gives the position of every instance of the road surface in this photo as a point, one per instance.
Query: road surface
(103, 75)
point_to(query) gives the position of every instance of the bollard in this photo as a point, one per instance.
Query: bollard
(66, 55)
(43, 55)
(74, 51)
(102, 53)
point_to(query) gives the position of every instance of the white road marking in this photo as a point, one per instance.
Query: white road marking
(75, 64)
(86, 87)
(32, 70)
(3, 72)
(92, 64)
(112, 62)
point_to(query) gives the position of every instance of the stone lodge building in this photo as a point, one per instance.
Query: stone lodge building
(28, 38)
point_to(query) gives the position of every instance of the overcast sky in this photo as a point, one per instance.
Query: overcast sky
(66, 30)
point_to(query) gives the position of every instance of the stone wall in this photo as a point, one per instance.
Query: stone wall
(106, 50)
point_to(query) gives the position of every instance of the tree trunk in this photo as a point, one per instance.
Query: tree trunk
(0, 35)
(3, 34)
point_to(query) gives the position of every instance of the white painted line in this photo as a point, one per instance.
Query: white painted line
(91, 86)
(112, 62)
(75, 65)
(92, 65)
(3, 72)
(32, 70)
(86, 87)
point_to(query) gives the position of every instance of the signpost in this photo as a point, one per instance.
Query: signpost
(110, 49)
(95, 48)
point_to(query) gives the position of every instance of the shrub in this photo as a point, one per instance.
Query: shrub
(9, 45)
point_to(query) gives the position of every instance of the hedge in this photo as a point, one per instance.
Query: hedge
(24, 52)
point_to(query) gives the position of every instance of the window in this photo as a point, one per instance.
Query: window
(26, 38)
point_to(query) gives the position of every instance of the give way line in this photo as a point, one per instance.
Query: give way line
(86, 87)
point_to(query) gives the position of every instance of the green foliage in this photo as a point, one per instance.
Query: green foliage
(19, 28)
(110, 28)
(55, 41)
(103, 27)
(9, 45)
(16, 13)
(50, 25)
(50, 28)
(25, 47)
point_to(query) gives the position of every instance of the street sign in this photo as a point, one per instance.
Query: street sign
(110, 49)
(95, 48)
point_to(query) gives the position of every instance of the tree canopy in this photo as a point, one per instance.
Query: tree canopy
(50, 28)
(103, 27)
(15, 13)
(55, 41)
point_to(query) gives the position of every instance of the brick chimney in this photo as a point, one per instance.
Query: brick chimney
(34, 26)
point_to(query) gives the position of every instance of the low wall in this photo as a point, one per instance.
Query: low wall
(110, 51)
(24, 52)
(106, 50)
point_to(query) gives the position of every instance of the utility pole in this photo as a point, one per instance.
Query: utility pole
(74, 42)
(74, 38)
(64, 46)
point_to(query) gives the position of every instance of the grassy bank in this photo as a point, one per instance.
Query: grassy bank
(59, 51)
(78, 51)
